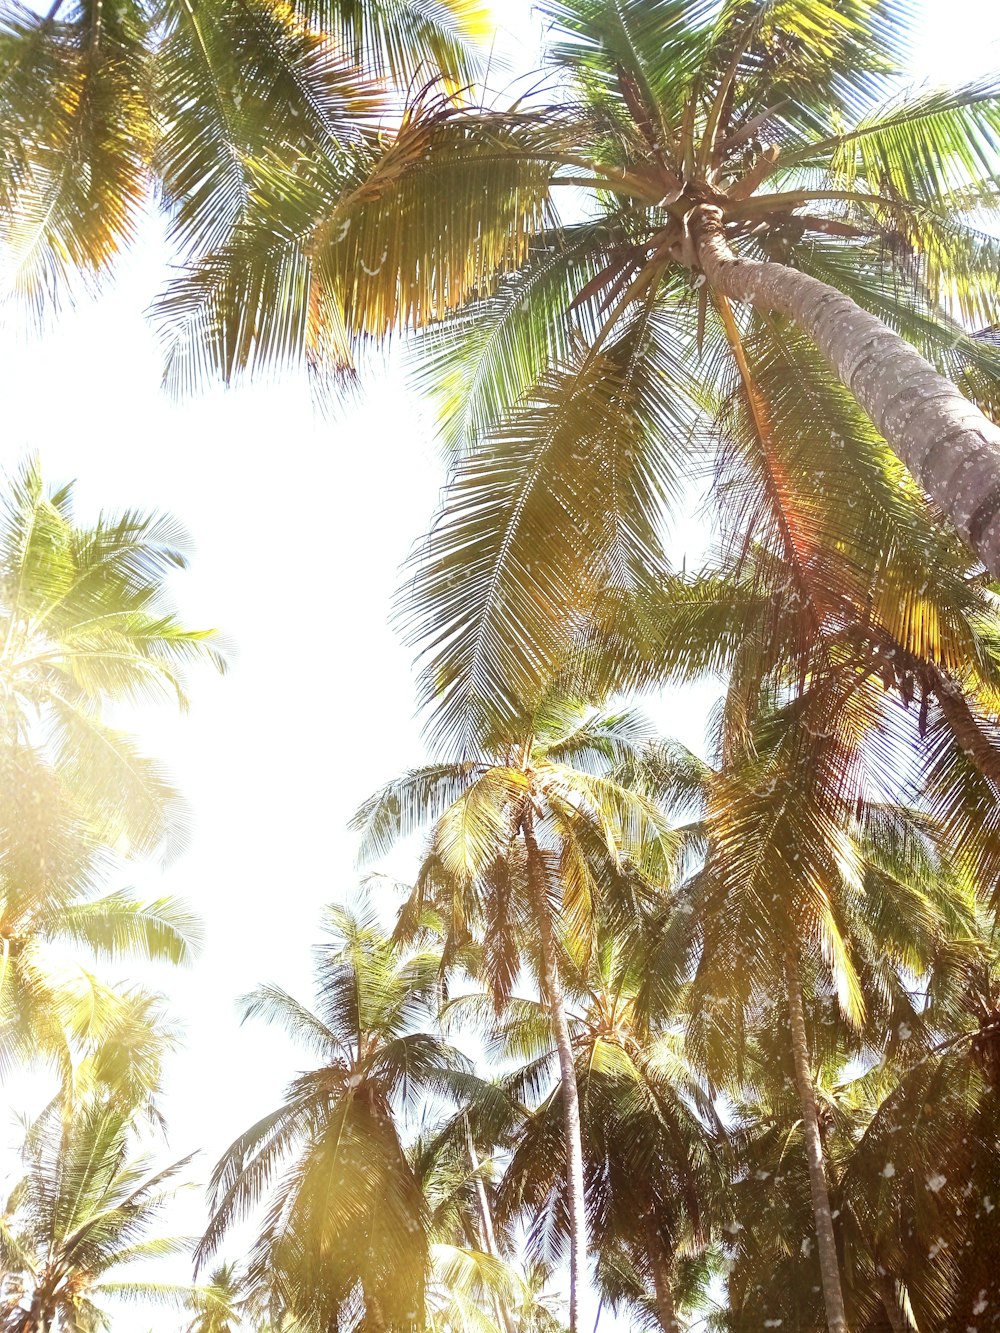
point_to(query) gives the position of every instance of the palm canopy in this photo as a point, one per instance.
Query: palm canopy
(653, 1149)
(86, 1209)
(809, 847)
(910, 1144)
(84, 623)
(556, 771)
(100, 105)
(574, 360)
(344, 1215)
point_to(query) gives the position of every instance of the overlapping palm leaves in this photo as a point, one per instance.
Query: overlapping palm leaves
(85, 624)
(527, 834)
(910, 1142)
(566, 355)
(102, 103)
(345, 1217)
(653, 1157)
(812, 887)
(87, 1208)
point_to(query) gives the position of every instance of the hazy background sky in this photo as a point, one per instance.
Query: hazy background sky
(298, 527)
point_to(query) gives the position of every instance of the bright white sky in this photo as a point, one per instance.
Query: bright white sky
(299, 526)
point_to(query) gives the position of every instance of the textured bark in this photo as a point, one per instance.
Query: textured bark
(659, 1262)
(552, 993)
(967, 729)
(833, 1296)
(949, 446)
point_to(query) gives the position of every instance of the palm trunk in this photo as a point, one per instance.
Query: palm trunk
(552, 993)
(949, 446)
(663, 1294)
(833, 1296)
(486, 1214)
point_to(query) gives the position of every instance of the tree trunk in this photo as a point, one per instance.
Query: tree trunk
(552, 994)
(489, 1235)
(833, 1297)
(663, 1294)
(949, 446)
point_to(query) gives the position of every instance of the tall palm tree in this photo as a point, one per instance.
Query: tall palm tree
(218, 1303)
(526, 833)
(86, 1209)
(344, 1215)
(84, 622)
(474, 1281)
(103, 106)
(759, 152)
(653, 1149)
(910, 1142)
(808, 875)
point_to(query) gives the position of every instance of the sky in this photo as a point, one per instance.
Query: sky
(298, 527)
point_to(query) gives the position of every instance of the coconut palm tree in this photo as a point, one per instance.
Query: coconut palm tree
(84, 623)
(474, 1281)
(810, 886)
(219, 1303)
(760, 153)
(526, 834)
(653, 1149)
(102, 106)
(344, 1220)
(922, 1181)
(86, 1209)
(910, 1147)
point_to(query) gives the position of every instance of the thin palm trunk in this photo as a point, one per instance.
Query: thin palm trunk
(663, 1294)
(486, 1213)
(555, 1003)
(833, 1296)
(949, 446)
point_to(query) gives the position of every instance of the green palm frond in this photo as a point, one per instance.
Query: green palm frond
(163, 930)
(517, 551)
(74, 96)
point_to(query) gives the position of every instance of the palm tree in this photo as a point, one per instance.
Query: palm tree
(218, 1303)
(809, 875)
(102, 106)
(345, 1218)
(652, 1145)
(473, 1282)
(922, 1181)
(85, 1210)
(84, 622)
(909, 1146)
(526, 834)
(765, 153)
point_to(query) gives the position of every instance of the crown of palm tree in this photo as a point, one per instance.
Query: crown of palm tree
(82, 1214)
(343, 1209)
(84, 623)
